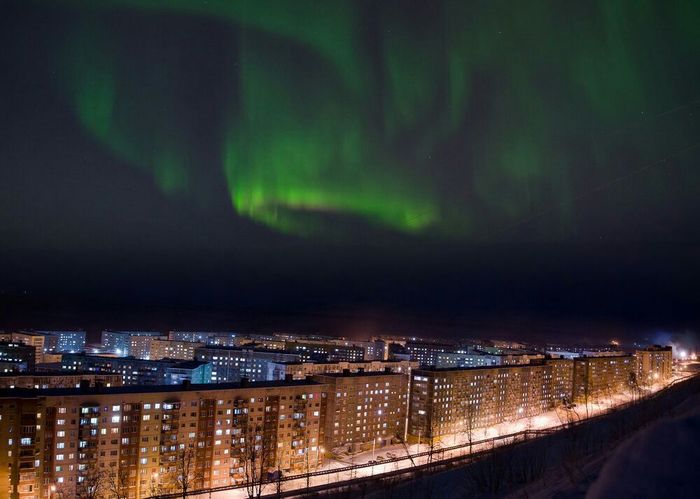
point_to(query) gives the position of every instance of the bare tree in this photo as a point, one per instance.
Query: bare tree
(470, 414)
(155, 487)
(185, 474)
(256, 458)
(117, 482)
(92, 484)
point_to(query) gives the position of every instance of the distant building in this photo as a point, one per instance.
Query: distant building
(653, 364)
(325, 350)
(230, 364)
(365, 410)
(221, 338)
(16, 356)
(571, 352)
(259, 341)
(430, 354)
(64, 341)
(300, 370)
(173, 349)
(372, 350)
(58, 379)
(140, 371)
(31, 338)
(192, 371)
(120, 342)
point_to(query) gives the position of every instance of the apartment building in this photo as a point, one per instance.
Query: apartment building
(300, 370)
(600, 377)
(447, 401)
(653, 364)
(173, 349)
(58, 379)
(365, 409)
(428, 354)
(121, 343)
(140, 371)
(222, 338)
(325, 350)
(17, 357)
(64, 341)
(30, 338)
(137, 441)
(231, 364)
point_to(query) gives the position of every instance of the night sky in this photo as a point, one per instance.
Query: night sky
(443, 167)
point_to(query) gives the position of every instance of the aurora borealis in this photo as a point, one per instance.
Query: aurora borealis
(488, 155)
(445, 118)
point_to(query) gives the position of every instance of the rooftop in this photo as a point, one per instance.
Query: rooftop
(48, 392)
(357, 374)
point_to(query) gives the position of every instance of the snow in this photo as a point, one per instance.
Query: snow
(660, 461)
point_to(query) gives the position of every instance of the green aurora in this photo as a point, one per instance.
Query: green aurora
(440, 118)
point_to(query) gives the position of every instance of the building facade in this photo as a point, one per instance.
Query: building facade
(448, 401)
(223, 338)
(64, 341)
(300, 370)
(138, 441)
(653, 364)
(120, 342)
(29, 338)
(600, 377)
(58, 379)
(325, 350)
(231, 364)
(173, 349)
(365, 409)
(17, 357)
(140, 371)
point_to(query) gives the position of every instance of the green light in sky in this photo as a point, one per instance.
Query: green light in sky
(454, 119)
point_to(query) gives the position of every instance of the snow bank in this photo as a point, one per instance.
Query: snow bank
(660, 461)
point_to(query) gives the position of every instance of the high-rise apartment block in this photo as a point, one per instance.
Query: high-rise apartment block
(64, 341)
(173, 349)
(140, 371)
(144, 441)
(365, 409)
(596, 377)
(231, 364)
(446, 401)
(124, 343)
(300, 370)
(654, 364)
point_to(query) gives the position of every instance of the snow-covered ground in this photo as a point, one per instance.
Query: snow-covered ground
(660, 461)
(340, 463)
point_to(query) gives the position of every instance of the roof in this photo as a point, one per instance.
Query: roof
(115, 390)
(55, 373)
(331, 362)
(363, 374)
(189, 364)
(246, 348)
(491, 367)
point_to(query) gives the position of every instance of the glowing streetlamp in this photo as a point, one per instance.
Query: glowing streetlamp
(374, 445)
